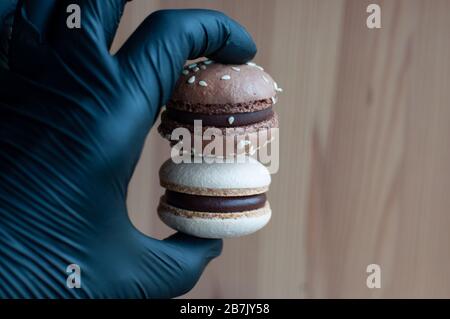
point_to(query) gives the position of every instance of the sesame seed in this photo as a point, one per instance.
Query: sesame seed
(208, 62)
(225, 77)
(191, 80)
(265, 79)
(185, 72)
(236, 69)
(191, 66)
(203, 67)
(196, 69)
(275, 85)
(231, 120)
(251, 63)
(202, 83)
(274, 100)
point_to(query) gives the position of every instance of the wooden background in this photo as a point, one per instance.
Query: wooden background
(365, 152)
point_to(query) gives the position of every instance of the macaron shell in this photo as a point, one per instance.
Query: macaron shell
(204, 191)
(245, 175)
(243, 142)
(214, 225)
(228, 108)
(248, 84)
(167, 126)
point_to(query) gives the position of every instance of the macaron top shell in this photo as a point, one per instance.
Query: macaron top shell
(216, 83)
(240, 179)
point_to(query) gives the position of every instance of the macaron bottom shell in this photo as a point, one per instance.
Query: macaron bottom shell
(214, 225)
(167, 126)
(237, 141)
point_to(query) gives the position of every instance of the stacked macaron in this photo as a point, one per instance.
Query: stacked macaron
(238, 100)
(219, 199)
(216, 200)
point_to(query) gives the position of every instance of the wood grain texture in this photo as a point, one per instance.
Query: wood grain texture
(365, 154)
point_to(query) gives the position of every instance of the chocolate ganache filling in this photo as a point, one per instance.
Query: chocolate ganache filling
(215, 203)
(220, 120)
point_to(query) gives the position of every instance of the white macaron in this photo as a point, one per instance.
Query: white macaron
(217, 200)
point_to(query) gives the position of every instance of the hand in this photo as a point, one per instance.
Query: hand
(73, 120)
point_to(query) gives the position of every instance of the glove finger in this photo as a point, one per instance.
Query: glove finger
(173, 266)
(153, 57)
(206, 248)
(191, 255)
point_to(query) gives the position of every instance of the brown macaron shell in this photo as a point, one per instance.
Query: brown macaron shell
(228, 108)
(250, 133)
(227, 90)
(168, 125)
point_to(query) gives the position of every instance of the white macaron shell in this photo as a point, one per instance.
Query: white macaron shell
(215, 227)
(236, 175)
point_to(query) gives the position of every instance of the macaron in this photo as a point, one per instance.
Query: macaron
(215, 200)
(236, 100)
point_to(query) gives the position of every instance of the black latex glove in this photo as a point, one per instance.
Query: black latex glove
(73, 120)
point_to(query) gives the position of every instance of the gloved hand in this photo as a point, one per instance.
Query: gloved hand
(73, 120)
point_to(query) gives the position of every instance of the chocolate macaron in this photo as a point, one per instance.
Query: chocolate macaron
(237, 100)
(216, 200)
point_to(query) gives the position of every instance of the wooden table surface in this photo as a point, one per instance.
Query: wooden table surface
(365, 152)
